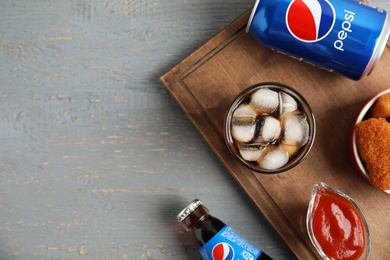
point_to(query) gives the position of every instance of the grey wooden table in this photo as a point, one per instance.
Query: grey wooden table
(96, 158)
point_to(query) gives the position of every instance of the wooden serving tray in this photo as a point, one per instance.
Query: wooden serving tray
(205, 84)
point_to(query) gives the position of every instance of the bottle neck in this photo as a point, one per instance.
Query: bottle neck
(195, 218)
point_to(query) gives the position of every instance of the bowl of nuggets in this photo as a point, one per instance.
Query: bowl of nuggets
(370, 141)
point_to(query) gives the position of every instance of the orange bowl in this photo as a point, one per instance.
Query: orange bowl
(357, 161)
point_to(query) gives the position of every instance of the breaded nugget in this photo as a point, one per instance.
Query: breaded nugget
(381, 107)
(373, 143)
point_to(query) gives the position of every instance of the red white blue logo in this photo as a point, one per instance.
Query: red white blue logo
(310, 20)
(223, 251)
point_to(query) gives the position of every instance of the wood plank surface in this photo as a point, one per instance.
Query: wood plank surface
(96, 157)
(206, 83)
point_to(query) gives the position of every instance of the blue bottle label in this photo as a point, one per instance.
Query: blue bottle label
(227, 244)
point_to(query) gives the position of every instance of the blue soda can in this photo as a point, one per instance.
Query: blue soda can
(344, 36)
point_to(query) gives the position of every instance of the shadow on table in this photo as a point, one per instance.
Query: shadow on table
(185, 243)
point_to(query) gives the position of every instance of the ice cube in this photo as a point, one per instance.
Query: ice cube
(251, 152)
(265, 101)
(291, 149)
(269, 129)
(244, 111)
(287, 103)
(295, 128)
(243, 125)
(274, 157)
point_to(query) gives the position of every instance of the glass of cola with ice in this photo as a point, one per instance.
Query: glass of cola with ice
(270, 127)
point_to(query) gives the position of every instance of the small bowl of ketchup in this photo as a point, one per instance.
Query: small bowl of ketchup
(336, 225)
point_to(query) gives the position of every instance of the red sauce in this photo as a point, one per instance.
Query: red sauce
(338, 228)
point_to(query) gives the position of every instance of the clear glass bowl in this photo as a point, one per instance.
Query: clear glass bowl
(343, 211)
(302, 106)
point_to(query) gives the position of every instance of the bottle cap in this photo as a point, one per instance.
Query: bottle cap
(188, 210)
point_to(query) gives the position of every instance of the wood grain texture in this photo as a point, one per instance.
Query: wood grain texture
(206, 83)
(96, 157)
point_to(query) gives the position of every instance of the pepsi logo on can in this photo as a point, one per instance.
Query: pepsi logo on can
(223, 251)
(316, 17)
(345, 36)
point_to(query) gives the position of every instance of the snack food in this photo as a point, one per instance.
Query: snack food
(373, 142)
(381, 108)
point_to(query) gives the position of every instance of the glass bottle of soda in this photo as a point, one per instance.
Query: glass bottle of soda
(218, 241)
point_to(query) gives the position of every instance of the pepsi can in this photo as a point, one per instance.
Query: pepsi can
(344, 36)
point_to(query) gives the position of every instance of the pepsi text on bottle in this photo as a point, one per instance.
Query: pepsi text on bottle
(227, 244)
(344, 36)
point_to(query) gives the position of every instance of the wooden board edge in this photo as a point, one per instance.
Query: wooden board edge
(244, 177)
(173, 80)
(209, 48)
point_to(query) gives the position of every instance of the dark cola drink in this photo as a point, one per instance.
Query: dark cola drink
(217, 240)
(270, 128)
